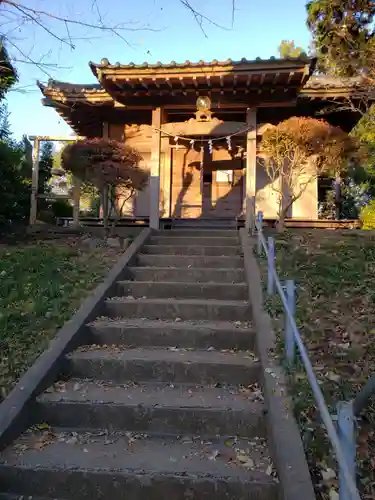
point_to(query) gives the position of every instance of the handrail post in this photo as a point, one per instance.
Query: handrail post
(289, 334)
(346, 435)
(260, 231)
(270, 265)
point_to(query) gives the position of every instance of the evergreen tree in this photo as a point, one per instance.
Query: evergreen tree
(4, 123)
(343, 34)
(45, 166)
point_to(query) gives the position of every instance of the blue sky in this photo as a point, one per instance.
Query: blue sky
(171, 34)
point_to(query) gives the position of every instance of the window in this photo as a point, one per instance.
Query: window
(224, 176)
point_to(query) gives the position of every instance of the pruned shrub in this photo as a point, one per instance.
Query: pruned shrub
(367, 215)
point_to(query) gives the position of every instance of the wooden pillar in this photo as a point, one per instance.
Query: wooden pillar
(155, 168)
(76, 199)
(251, 161)
(105, 135)
(167, 166)
(34, 182)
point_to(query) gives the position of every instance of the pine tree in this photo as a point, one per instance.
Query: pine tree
(343, 34)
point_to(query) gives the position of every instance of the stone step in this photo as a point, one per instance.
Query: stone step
(10, 496)
(191, 240)
(187, 275)
(191, 250)
(201, 232)
(216, 310)
(121, 364)
(86, 466)
(153, 408)
(190, 261)
(167, 289)
(194, 334)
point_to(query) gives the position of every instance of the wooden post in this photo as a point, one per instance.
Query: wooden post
(155, 168)
(34, 182)
(105, 135)
(251, 160)
(337, 190)
(76, 199)
(167, 167)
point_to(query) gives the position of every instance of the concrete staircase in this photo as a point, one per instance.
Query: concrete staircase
(164, 403)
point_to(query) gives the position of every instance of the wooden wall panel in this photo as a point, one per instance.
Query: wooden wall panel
(192, 198)
(227, 184)
(116, 131)
(186, 197)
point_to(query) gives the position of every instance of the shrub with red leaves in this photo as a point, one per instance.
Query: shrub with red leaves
(104, 163)
(111, 166)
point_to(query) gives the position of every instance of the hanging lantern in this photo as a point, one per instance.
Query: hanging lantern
(210, 146)
(192, 142)
(229, 143)
(176, 141)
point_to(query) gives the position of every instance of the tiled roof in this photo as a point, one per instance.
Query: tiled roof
(73, 88)
(326, 82)
(105, 64)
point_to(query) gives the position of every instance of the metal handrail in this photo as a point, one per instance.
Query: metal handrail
(348, 488)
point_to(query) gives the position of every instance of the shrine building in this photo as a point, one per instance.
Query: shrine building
(197, 127)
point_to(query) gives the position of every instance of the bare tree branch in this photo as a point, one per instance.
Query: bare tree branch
(200, 17)
(16, 15)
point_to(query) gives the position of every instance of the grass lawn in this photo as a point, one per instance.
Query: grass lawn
(41, 285)
(335, 275)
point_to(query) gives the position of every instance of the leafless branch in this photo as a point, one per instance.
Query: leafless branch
(35, 12)
(28, 59)
(233, 12)
(200, 17)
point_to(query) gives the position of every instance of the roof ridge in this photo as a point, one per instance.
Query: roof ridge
(104, 63)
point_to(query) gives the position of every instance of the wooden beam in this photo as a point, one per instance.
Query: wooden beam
(291, 74)
(34, 182)
(129, 82)
(214, 127)
(157, 85)
(58, 138)
(155, 168)
(143, 83)
(251, 160)
(76, 199)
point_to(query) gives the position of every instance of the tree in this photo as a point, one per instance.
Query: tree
(8, 75)
(288, 49)
(14, 186)
(343, 35)
(110, 166)
(45, 166)
(297, 151)
(60, 25)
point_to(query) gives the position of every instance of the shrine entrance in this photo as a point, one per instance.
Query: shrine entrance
(206, 184)
(207, 165)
